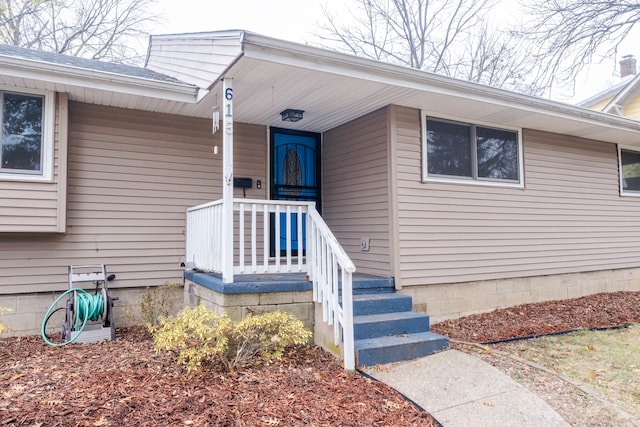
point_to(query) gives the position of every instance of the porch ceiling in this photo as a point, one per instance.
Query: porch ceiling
(262, 89)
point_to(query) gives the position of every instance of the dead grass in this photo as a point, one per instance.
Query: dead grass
(607, 361)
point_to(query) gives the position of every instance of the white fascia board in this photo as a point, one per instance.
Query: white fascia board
(303, 56)
(203, 35)
(99, 80)
(622, 98)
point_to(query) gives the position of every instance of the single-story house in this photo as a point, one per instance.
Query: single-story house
(467, 196)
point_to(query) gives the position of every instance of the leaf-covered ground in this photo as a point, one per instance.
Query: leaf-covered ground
(124, 382)
(594, 311)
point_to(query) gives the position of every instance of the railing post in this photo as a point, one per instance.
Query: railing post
(227, 184)
(347, 327)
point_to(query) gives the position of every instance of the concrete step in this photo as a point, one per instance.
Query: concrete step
(389, 349)
(379, 325)
(364, 304)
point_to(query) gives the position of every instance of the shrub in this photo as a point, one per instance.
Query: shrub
(156, 303)
(198, 335)
(265, 335)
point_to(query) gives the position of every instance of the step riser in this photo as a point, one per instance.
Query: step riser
(390, 327)
(376, 305)
(390, 354)
(371, 286)
(377, 290)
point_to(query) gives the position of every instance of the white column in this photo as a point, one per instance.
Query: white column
(227, 184)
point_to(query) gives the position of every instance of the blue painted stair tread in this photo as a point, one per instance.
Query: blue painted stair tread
(398, 348)
(386, 330)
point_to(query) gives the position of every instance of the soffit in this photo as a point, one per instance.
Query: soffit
(262, 89)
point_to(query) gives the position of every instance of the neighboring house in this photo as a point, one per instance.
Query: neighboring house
(470, 197)
(623, 99)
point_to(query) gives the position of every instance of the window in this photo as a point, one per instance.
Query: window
(472, 152)
(26, 138)
(629, 171)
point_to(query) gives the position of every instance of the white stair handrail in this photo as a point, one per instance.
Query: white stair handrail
(329, 265)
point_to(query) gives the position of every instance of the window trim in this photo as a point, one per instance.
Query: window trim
(48, 138)
(627, 193)
(464, 179)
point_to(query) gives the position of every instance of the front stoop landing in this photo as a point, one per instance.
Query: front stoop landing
(386, 329)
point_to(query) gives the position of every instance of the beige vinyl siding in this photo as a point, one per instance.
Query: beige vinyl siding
(250, 161)
(38, 206)
(569, 218)
(355, 189)
(132, 175)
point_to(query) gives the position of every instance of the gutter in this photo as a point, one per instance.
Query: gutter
(94, 79)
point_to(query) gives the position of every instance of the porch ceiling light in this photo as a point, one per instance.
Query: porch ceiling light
(291, 115)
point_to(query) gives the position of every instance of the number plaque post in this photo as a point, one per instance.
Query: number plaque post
(227, 185)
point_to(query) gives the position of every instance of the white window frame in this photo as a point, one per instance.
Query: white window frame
(469, 180)
(48, 120)
(627, 193)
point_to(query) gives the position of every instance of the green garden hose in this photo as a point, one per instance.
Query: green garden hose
(87, 307)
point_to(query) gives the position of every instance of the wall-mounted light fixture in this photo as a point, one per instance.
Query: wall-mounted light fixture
(291, 115)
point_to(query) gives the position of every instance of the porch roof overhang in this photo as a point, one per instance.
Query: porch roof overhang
(332, 88)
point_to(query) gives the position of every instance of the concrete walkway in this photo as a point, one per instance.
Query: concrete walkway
(461, 390)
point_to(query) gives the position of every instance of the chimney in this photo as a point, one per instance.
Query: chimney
(627, 66)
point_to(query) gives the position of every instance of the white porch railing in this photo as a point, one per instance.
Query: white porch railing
(257, 225)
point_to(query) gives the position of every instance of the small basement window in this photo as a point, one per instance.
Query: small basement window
(472, 153)
(27, 135)
(629, 171)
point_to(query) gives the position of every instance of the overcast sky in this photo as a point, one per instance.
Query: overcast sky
(284, 19)
(296, 21)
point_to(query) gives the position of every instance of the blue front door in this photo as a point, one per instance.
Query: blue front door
(295, 175)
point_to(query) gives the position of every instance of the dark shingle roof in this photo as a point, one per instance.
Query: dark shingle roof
(83, 63)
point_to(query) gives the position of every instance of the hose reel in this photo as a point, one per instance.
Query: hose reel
(88, 318)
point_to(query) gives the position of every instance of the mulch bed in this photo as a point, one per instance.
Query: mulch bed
(602, 310)
(124, 382)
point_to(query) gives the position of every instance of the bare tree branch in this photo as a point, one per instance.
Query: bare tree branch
(570, 34)
(112, 30)
(449, 37)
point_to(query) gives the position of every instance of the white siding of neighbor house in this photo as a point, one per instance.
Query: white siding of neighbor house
(568, 218)
(132, 175)
(195, 60)
(38, 206)
(355, 192)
